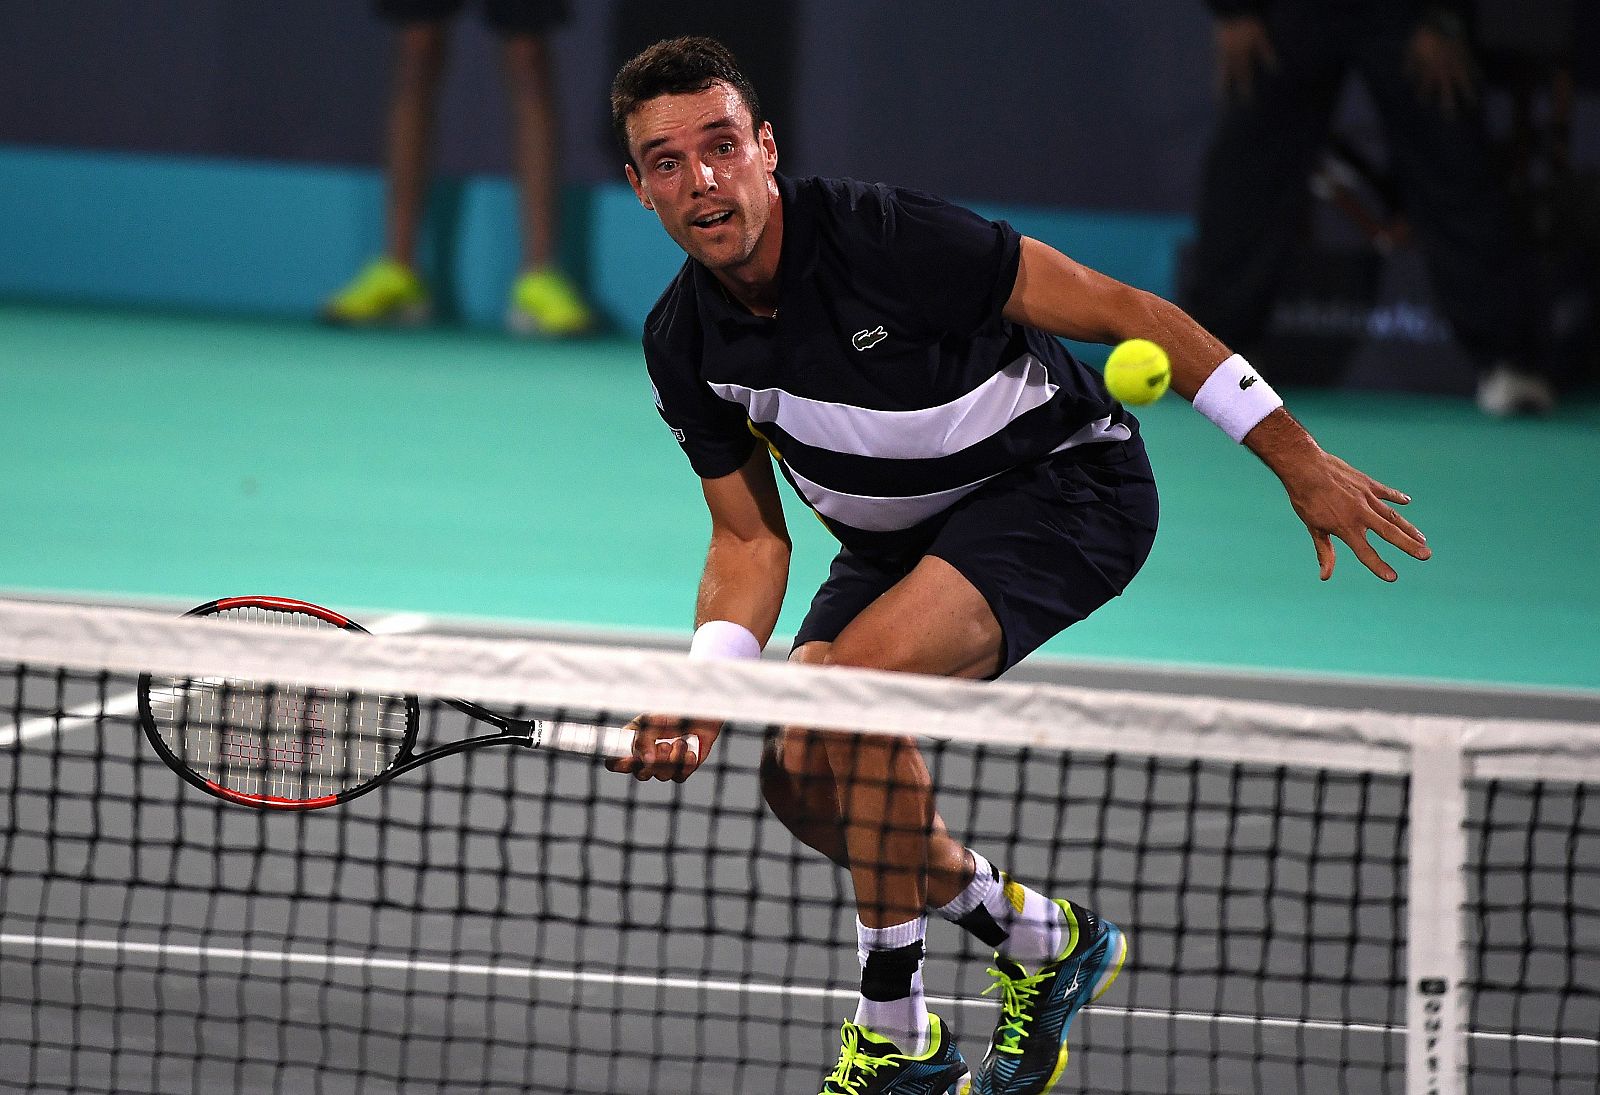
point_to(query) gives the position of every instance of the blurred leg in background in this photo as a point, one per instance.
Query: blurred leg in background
(389, 290)
(543, 300)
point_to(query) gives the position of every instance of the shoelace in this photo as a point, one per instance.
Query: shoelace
(843, 1080)
(1016, 997)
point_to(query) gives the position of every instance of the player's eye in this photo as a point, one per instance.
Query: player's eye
(666, 165)
(725, 148)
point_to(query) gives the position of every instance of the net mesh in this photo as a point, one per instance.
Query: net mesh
(517, 920)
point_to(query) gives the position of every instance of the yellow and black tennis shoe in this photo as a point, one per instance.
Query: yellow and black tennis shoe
(872, 1065)
(1029, 1050)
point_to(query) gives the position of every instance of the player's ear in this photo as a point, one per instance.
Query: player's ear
(638, 187)
(769, 146)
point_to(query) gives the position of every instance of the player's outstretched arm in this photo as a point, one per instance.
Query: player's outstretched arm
(742, 586)
(1066, 298)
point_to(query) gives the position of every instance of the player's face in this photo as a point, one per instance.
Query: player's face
(706, 173)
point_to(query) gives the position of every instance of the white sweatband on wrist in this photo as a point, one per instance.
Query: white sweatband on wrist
(1236, 398)
(724, 639)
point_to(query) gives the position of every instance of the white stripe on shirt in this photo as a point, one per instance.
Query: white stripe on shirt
(873, 513)
(925, 434)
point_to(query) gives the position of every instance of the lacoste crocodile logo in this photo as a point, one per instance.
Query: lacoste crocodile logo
(1245, 382)
(866, 340)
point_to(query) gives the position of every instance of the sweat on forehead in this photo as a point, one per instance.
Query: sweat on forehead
(672, 117)
(678, 66)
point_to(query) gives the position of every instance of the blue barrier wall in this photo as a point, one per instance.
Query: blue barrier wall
(276, 239)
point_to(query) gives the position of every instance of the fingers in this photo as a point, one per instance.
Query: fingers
(1389, 494)
(1400, 532)
(659, 752)
(1369, 556)
(1391, 527)
(1386, 523)
(1324, 554)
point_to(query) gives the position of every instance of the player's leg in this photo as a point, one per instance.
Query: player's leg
(796, 777)
(389, 289)
(876, 794)
(543, 299)
(798, 786)
(1048, 549)
(934, 622)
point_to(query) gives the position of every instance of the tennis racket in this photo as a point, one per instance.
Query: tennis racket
(291, 747)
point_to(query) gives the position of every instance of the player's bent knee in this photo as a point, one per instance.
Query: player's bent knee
(803, 799)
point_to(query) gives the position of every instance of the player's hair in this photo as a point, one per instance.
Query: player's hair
(677, 66)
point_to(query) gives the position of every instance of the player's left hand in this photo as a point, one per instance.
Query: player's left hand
(1441, 66)
(1334, 499)
(667, 748)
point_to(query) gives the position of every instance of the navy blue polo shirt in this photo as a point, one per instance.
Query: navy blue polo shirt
(889, 385)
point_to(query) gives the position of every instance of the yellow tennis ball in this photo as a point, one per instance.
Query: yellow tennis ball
(1138, 372)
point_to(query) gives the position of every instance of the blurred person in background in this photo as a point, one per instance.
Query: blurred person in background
(1281, 67)
(389, 290)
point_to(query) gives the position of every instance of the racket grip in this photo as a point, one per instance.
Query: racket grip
(595, 741)
(603, 741)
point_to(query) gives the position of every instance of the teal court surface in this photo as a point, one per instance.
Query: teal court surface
(450, 482)
(176, 459)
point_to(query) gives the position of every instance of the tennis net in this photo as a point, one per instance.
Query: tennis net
(1317, 899)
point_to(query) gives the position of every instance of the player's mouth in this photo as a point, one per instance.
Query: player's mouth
(712, 220)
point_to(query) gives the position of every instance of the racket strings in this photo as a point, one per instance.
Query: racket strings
(276, 739)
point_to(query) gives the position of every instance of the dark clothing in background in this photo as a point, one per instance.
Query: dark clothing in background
(506, 17)
(1255, 196)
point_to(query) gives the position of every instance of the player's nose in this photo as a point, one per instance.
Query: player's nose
(705, 178)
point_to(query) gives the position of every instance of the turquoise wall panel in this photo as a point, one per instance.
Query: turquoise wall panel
(184, 233)
(276, 239)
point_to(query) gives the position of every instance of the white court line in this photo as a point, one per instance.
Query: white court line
(116, 948)
(126, 703)
(123, 703)
(400, 623)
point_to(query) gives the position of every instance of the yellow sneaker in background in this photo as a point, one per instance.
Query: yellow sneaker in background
(544, 302)
(384, 293)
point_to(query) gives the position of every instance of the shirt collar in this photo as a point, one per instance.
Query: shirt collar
(795, 259)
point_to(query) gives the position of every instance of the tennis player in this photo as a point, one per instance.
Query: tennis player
(895, 355)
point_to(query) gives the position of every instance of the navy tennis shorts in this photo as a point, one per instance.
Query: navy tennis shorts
(1046, 545)
(503, 16)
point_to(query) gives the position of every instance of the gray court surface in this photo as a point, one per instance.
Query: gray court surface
(510, 921)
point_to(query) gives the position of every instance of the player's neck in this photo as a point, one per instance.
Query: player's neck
(753, 284)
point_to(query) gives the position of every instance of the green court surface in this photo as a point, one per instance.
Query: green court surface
(185, 458)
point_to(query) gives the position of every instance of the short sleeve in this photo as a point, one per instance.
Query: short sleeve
(713, 432)
(956, 268)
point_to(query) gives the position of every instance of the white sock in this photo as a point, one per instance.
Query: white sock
(1036, 928)
(1033, 928)
(893, 952)
(982, 885)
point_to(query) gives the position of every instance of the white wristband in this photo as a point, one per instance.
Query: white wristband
(1236, 398)
(724, 639)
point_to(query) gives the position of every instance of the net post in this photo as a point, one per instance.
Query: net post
(1436, 955)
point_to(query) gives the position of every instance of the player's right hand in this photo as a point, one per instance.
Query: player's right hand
(1243, 48)
(667, 748)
